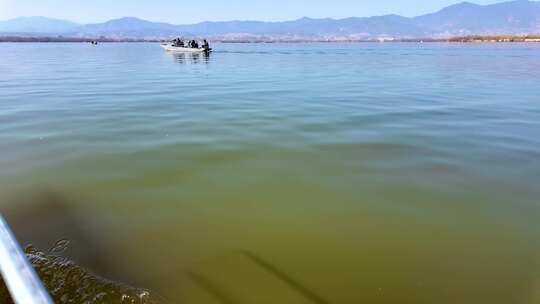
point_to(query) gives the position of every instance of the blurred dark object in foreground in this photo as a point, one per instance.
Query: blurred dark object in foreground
(69, 283)
(42, 217)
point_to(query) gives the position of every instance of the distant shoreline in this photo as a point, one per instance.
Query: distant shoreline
(458, 39)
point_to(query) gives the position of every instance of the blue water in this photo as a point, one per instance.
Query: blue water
(376, 173)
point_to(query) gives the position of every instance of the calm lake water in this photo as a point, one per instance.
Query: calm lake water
(295, 173)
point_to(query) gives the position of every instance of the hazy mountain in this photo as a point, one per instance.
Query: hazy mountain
(129, 27)
(37, 25)
(519, 16)
(382, 25)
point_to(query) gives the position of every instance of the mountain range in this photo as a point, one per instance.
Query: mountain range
(514, 17)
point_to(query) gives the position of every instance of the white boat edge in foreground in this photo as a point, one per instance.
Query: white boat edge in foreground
(22, 281)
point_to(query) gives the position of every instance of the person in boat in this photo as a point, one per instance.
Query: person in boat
(205, 45)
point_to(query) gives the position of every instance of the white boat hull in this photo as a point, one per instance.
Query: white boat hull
(176, 49)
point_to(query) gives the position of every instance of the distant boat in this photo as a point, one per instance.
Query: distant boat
(171, 48)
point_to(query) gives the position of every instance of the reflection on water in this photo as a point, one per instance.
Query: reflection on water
(355, 173)
(191, 58)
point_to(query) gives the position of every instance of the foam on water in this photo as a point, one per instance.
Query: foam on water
(68, 283)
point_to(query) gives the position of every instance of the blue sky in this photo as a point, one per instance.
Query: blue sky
(182, 11)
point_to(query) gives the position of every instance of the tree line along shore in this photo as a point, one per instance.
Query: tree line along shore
(462, 39)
